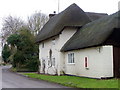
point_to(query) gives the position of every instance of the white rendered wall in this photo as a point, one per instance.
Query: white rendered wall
(100, 62)
(66, 34)
(44, 54)
(60, 40)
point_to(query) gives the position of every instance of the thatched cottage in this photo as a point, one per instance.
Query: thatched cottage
(80, 43)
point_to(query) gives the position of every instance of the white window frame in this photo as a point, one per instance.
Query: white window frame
(71, 58)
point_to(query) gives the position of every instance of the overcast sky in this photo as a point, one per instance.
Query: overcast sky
(24, 8)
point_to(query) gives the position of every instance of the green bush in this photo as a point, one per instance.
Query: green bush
(18, 59)
(26, 56)
(33, 64)
(6, 53)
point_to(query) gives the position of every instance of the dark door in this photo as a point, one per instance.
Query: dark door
(116, 61)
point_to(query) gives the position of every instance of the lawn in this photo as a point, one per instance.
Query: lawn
(73, 81)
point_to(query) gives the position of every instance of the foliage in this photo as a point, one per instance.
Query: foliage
(18, 59)
(20, 36)
(13, 39)
(6, 53)
(26, 55)
(79, 82)
(33, 64)
(12, 25)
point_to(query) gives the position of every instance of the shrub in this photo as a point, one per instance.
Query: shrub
(6, 53)
(33, 64)
(26, 55)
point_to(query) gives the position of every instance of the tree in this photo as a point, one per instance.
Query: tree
(26, 55)
(37, 21)
(6, 53)
(10, 26)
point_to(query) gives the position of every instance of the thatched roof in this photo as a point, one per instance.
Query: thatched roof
(72, 16)
(94, 16)
(94, 33)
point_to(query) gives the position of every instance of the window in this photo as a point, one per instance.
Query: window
(71, 58)
(49, 63)
(43, 45)
(43, 62)
(53, 41)
(53, 62)
(86, 62)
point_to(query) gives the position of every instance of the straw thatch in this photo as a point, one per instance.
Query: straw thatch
(94, 16)
(95, 33)
(72, 16)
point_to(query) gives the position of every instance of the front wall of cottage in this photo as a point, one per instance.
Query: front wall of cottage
(44, 56)
(96, 62)
(66, 34)
(55, 44)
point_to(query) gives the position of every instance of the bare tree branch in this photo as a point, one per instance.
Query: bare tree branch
(10, 25)
(37, 21)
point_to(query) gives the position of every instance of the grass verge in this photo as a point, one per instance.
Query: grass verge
(78, 82)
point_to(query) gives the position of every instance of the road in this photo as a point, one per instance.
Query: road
(13, 80)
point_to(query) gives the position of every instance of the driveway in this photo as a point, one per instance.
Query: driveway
(13, 80)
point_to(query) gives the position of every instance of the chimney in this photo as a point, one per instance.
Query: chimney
(51, 15)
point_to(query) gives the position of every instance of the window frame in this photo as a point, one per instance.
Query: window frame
(71, 58)
(86, 62)
(53, 62)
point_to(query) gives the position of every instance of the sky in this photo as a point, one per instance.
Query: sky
(24, 8)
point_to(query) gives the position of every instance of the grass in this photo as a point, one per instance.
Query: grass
(78, 82)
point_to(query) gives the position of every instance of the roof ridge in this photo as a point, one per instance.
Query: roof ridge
(96, 13)
(71, 16)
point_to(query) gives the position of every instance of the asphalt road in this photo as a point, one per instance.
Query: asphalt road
(13, 80)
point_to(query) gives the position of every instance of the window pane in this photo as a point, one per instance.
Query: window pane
(86, 62)
(71, 58)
